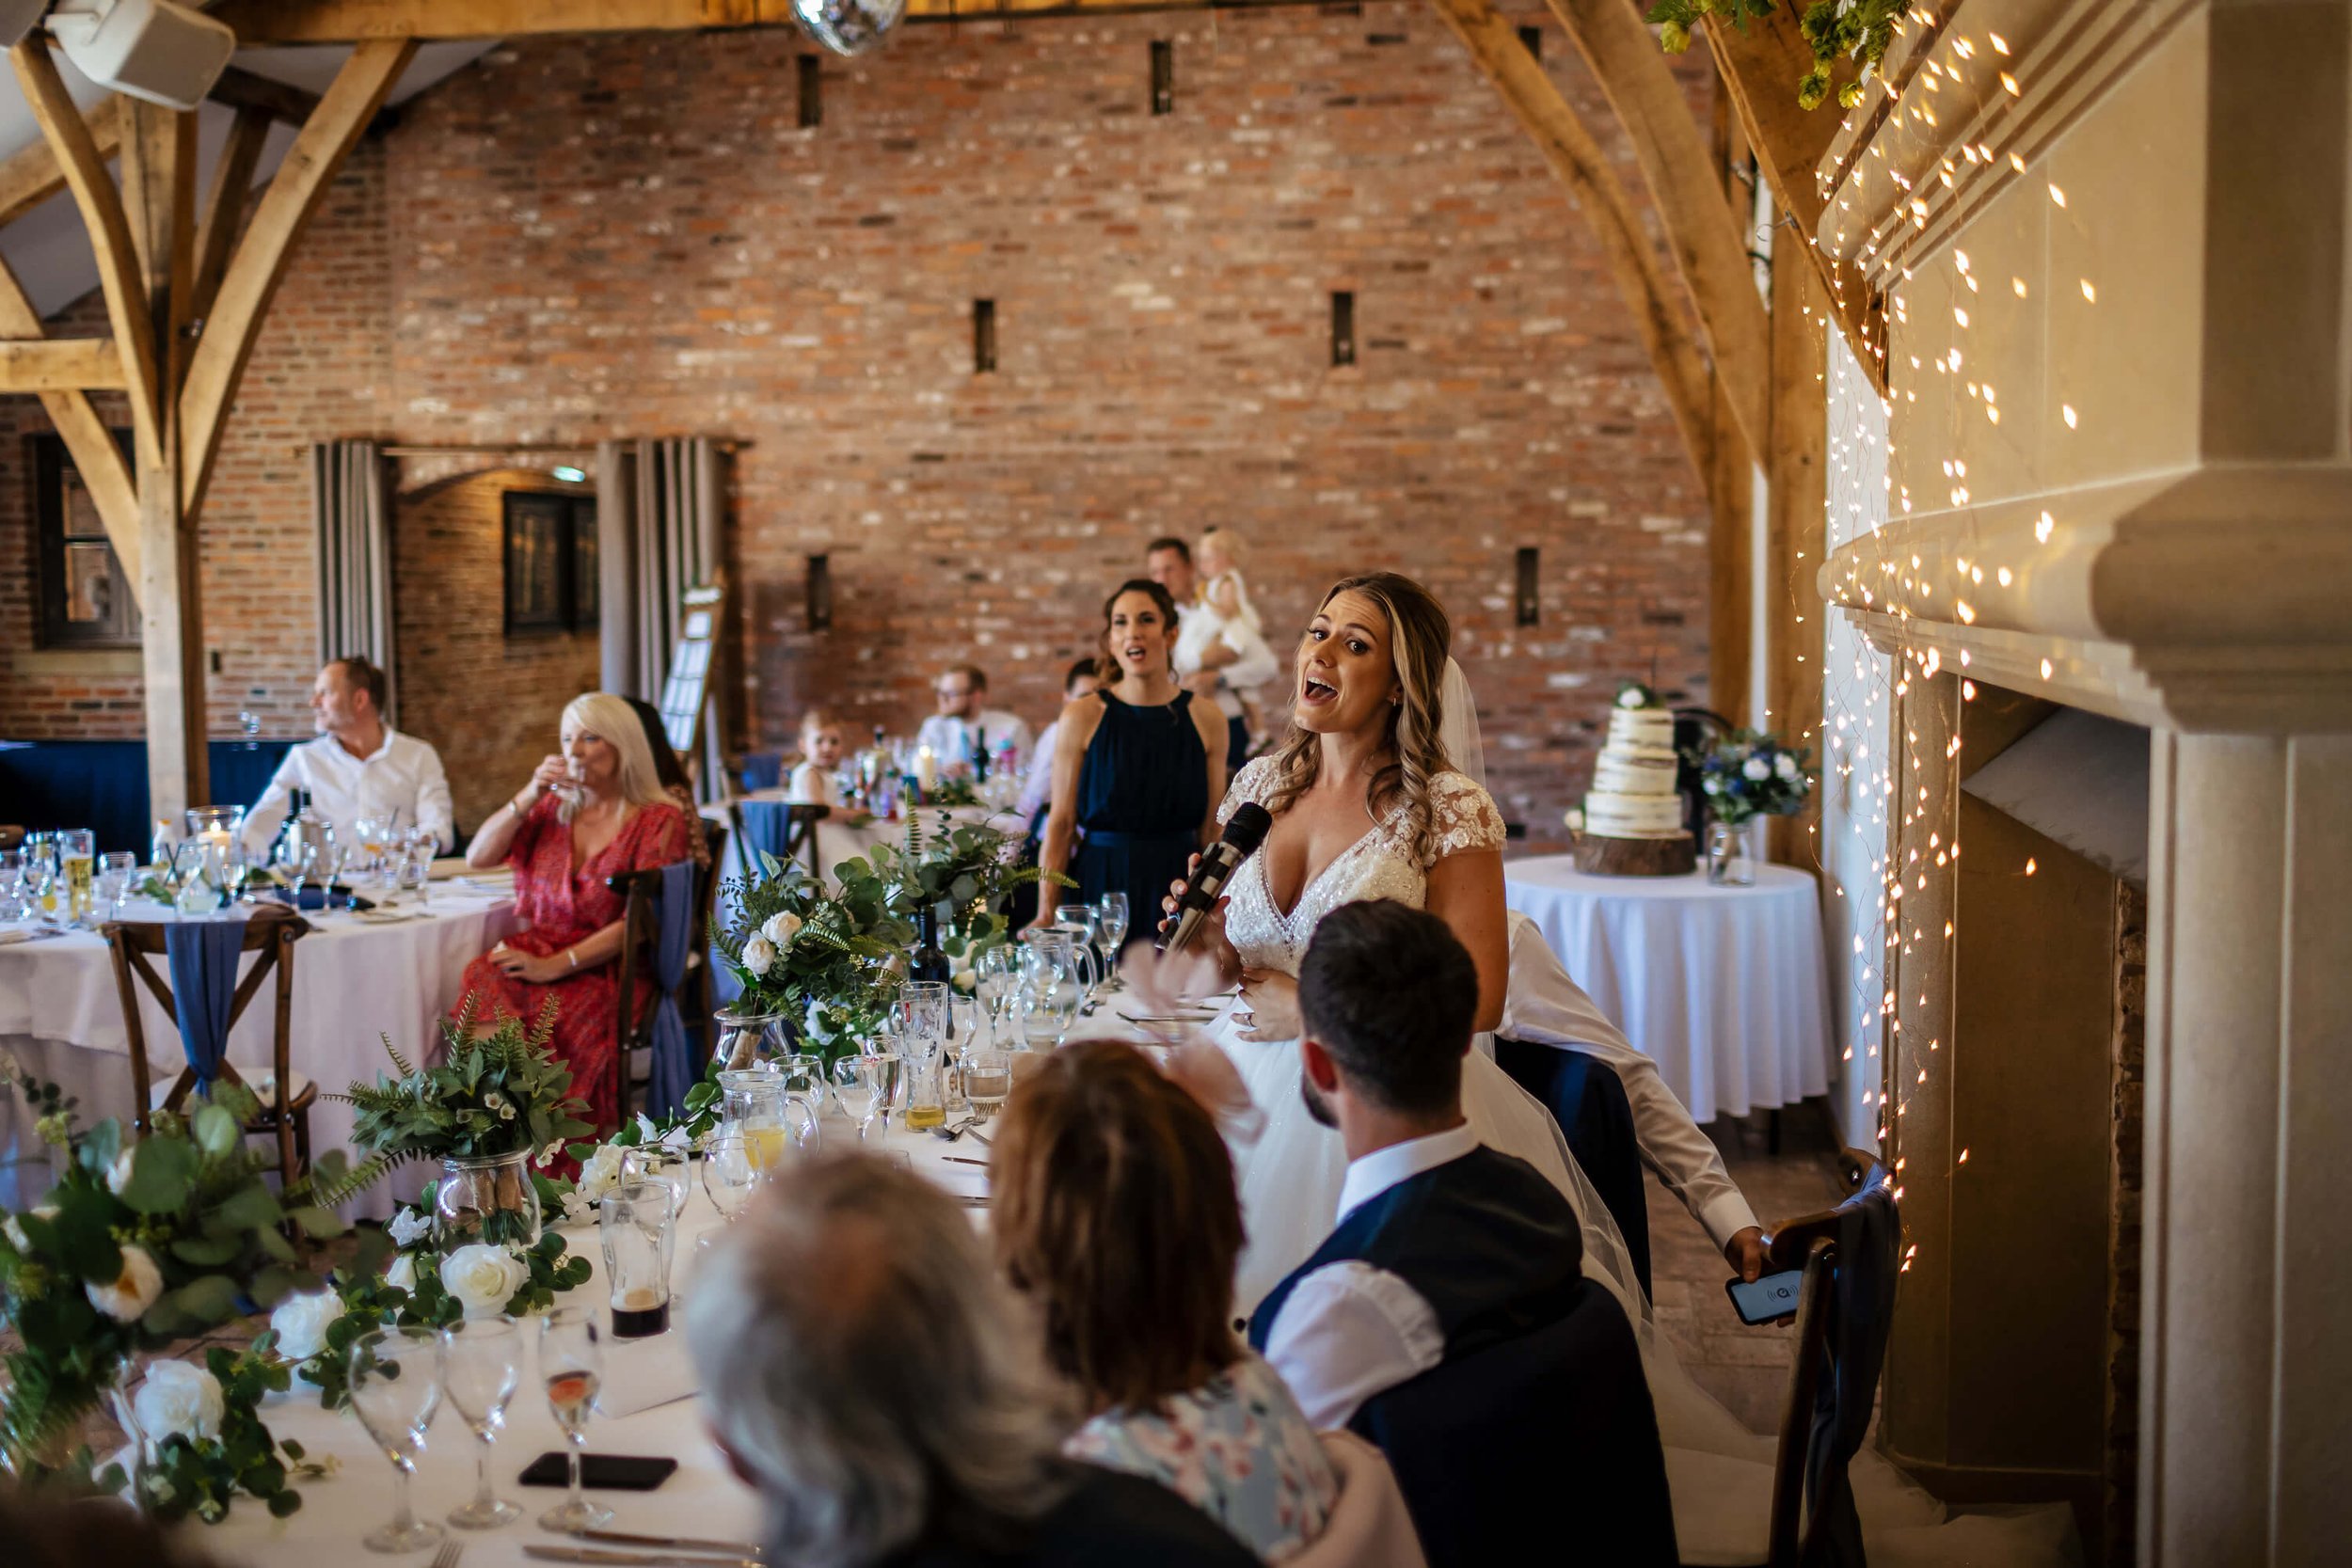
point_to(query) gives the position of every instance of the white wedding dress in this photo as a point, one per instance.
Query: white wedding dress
(1291, 1174)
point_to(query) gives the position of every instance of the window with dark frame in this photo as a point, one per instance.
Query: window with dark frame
(84, 598)
(550, 551)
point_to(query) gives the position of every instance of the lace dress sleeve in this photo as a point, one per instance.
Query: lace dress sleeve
(1462, 817)
(1250, 783)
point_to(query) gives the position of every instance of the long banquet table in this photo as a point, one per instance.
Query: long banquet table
(356, 979)
(702, 1500)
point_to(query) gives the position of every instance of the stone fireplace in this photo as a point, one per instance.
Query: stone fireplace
(2111, 239)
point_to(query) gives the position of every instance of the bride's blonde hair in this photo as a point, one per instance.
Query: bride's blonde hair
(1420, 636)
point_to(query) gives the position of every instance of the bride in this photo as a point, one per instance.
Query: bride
(1369, 799)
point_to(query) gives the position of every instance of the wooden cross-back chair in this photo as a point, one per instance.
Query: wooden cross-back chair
(1854, 1348)
(285, 1112)
(800, 837)
(640, 890)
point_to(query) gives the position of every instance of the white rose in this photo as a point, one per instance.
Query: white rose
(759, 956)
(1786, 766)
(15, 1232)
(482, 1277)
(599, 1173)
(409, 1227)
(177, 1398)
(781, 929)
(300, 1324)
(119, 1174)
(1632, 696)
(133, 1291)
(1757, 769)
(1714, 785)
(402, 1275)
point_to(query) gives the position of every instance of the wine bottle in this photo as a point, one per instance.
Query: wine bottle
(929, 962)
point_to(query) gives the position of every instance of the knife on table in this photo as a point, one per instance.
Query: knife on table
(636, 1560)
(672, 1542)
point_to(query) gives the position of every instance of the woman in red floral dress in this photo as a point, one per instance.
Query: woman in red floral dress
(594, 812)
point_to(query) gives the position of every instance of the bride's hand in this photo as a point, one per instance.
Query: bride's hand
(1272, 998)
(1208, 941)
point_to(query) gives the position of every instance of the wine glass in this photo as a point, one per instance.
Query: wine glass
(996, 979)
(730, 1173)
(12, 870)
(571, 1364)
(482, 1366)
(1111, 914)
(867, 1085)
(117, 870)
(235, 866)
(395, 1386)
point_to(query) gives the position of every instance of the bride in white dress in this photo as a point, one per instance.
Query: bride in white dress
(1369, 801)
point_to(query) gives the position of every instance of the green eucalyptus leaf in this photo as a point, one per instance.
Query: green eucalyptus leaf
(161, 1172)
(215, 1129)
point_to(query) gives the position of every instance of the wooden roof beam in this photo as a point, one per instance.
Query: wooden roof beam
(246, 89)
(1575, 157)
(274, 21)
(1707, 239)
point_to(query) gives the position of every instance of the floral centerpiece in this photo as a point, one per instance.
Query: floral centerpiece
(1748, 774)
(143, 1242)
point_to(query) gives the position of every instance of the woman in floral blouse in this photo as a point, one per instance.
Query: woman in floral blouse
(1113, 1210)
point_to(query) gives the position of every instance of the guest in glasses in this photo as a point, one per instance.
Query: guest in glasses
(966, 728)
(1113, 1211)
(864, 1371)
(594, 811)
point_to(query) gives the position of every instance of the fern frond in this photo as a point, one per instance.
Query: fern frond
(543, 1033)
(38, 1414)
(358, 1178)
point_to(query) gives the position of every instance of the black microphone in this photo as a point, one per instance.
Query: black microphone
(1243, 831)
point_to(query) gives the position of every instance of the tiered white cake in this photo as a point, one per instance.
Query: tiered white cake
(1633, 780)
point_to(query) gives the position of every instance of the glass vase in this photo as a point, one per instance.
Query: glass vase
(1729, 864)
(487, 1199)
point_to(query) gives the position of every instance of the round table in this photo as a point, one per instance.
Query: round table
(1725, 988)
(356, 980)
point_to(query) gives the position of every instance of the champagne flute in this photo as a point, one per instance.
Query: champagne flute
(395, 1386)
(482, 1366)
(1112, 913)
(571, 1365)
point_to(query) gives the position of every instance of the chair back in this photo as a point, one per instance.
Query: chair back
(644, 915)
(1588, 1099)
(1548, 1436)
(1850, 1256)
(760, 770)
(269, 932)
(1369, 1526)
(785, 829)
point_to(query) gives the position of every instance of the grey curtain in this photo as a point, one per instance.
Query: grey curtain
(659, 504)
(351, 506)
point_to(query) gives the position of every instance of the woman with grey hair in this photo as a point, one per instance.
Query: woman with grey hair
(865, 1373)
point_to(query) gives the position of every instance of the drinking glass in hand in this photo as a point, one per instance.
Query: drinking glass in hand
(730, 1172)
(482, 1366)
(395, 1386)
(571, 1365)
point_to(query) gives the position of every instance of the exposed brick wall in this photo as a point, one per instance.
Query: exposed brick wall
(589, 237)
(487, 702)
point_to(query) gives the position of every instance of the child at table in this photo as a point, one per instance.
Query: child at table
(812, 781)
(1225, 596)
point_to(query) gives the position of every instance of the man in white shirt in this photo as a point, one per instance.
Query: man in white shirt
(359, 766)
(1211, 655)
(965, 727)
(1543, 1006)
(1082, 680)
(1443, 1247)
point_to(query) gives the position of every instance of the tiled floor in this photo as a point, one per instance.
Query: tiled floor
(1747, 1368)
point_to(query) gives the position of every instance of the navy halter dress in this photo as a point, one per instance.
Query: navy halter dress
(1143, 794)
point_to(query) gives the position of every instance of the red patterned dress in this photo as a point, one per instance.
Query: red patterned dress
(564, 905)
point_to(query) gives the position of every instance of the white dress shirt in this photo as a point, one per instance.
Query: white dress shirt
(404, 774)
(1197, 627)
(1542, 1006)
(1349, 1330)
(1040, 782)
(953, 740)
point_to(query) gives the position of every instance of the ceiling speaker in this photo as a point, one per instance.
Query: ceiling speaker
(154, 50)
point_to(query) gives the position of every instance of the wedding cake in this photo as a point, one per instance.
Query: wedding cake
(1634, 781)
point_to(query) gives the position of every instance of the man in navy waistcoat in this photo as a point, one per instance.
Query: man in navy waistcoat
(1444, 1247)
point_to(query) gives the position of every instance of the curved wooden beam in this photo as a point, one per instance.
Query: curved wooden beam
(1493, 42)
(96, 457)
(259, 261)
(224, 210)
(1707, 239)
(85, 170)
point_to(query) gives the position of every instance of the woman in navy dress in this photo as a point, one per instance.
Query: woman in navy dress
(1139, 768)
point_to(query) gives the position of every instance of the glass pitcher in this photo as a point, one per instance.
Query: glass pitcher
(1058, 969)
(760, 1107)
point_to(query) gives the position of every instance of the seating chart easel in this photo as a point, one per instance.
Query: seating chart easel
(685, 689)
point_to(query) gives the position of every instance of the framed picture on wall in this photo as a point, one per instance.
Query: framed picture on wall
(84, 599)
(550, 562)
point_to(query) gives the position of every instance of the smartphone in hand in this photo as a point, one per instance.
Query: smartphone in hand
(1771, 1299)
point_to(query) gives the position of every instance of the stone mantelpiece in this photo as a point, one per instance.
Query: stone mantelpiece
(2131, 493)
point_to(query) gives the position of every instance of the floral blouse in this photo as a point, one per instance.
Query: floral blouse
(1238, 1447)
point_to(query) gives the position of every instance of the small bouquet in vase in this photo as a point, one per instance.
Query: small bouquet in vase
(1746, 775)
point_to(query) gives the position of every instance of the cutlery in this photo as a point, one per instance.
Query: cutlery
(675, 1543)
(637, 1560)
(960, 1159)
(448, 1554)
(957, 1131)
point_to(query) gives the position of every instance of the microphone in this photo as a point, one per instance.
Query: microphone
(1243, 831)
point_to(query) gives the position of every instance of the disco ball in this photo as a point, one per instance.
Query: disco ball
(848, 26)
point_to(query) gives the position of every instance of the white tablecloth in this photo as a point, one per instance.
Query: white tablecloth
(61, 1018)
(1724, 987)
(702, 1500)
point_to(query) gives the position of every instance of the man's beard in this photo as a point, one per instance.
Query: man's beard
(1317, 1106)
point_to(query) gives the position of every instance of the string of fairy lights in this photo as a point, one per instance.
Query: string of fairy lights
(1901, 808)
